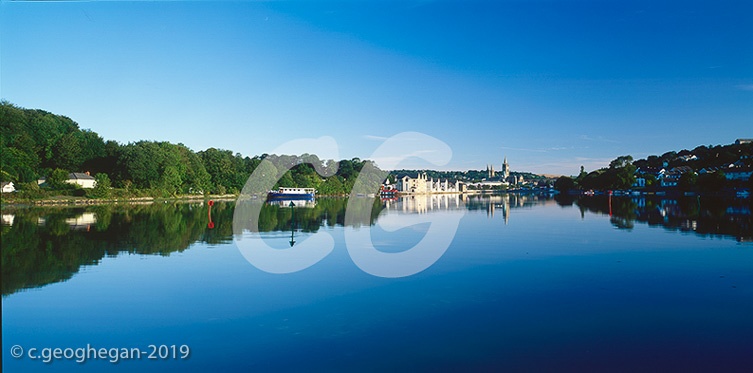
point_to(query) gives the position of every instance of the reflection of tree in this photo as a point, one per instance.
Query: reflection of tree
(564, 199)
(41, 247)
(622, 223)
(702, 215)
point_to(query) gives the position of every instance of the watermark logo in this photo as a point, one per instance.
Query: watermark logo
(358, 213)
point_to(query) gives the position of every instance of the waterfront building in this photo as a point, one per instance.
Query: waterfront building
(422, 184)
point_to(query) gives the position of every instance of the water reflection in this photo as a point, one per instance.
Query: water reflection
(49, 244)
(706, 216)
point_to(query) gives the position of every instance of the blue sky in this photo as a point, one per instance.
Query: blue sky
(551, 85)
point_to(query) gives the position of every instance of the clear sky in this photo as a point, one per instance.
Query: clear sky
(551, 85)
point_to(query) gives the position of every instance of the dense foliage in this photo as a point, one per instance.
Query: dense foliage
(35, 144)
(703, 170)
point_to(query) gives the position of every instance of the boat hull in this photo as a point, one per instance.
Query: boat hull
(278, 195)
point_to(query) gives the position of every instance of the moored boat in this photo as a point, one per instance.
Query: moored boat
(292, 193)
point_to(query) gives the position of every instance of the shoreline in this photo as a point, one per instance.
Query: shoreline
(83, 201)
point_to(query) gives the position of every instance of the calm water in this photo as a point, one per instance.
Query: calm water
(527, 284)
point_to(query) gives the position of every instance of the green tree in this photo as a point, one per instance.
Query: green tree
(67, 152)
(286, 181)
(332, 186)
(57, 179)
(650, 179)
(712, 182)
(564, 184)
(687, 181)
(102, 186)
(140, 162)
(621, 161)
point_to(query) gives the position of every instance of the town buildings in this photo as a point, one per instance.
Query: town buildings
(425, 185)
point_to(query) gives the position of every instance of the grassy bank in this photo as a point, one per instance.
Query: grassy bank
(52, 199)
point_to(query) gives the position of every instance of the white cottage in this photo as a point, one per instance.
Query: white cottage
(7, 187)
(83, 179)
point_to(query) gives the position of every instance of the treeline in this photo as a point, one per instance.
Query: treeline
(36, 143)
(623, 171)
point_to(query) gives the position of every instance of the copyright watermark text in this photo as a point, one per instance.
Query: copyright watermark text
(113, 354)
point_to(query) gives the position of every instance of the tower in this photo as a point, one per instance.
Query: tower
(505, 169)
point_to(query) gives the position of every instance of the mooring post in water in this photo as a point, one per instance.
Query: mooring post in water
(610, 203)
(292, 223)
(210, 203)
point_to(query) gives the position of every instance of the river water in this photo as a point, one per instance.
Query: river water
(523, 283)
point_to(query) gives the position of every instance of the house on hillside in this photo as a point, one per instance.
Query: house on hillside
(738, 173)
(658, 172)
(8, 187)
(84, 180)
(672, 177)
(708, 170)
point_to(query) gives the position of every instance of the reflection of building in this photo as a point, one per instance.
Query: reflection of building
(83, 221)
(425, 185)
(504, 205)
(493, 205)
(426, 203)
(8, 219)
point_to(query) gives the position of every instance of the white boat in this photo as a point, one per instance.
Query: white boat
(292, 193)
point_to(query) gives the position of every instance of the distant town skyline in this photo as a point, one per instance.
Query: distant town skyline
(551, 85)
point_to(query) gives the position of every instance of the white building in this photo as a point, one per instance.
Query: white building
(7, 187)
(425, 185)
(82, 179)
